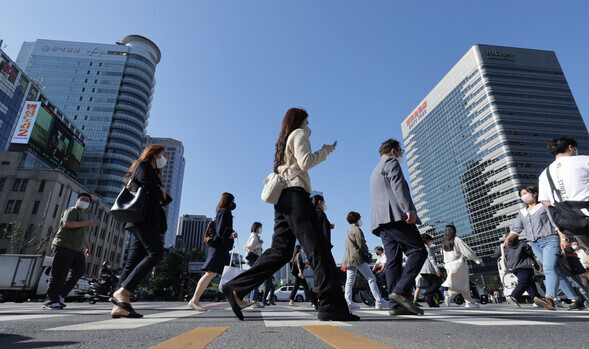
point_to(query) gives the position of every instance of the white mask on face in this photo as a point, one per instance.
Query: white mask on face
(359, 222)
(576, 151)
(82, 205)
(527, 198)
(399, 158)
(575, 247)
(324, 206)
(161, 161)
(306, 128)
(260, 231)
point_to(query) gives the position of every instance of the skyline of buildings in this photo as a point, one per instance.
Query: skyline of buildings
(480, 135)
(106, 90)
(191, 232)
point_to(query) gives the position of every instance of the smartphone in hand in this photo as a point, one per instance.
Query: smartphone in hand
(335, 143)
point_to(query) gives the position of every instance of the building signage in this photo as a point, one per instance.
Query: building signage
(25, 122)
(489, 53)
(417, 115)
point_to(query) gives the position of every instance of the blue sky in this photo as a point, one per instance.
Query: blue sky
(231, 69)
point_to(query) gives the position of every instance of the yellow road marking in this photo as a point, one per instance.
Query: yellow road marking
(341, 339)
(200, 337)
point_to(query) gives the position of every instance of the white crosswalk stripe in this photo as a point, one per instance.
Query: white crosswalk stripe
(281, 317)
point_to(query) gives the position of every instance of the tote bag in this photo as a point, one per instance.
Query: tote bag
(230, 272)
(129, 206)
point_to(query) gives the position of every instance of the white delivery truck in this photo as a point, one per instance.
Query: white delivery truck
(24, 277)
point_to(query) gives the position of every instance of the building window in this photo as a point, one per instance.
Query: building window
(100, 64)
(75, 117)
(98, 73)
(17, 206)
(35, 207)
(87, 108)
(23, 185)
(16, 185)
(90, 63)
(9, 206)
(88, 73)
(95, 81)
(81, 98)
(83, 127)
(93, 89)
(60, 190)
(4, 232)
(42, 186)
(55, 211)
(91, 98)
(83, 89)
(85, 117)
(85, 80)
(2, 181)
(102, 233)
(78, 108)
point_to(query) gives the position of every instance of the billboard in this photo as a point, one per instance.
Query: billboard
(8, 69)
(53, 141)
(25, 122)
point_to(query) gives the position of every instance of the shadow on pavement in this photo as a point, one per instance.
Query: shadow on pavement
(16, 341)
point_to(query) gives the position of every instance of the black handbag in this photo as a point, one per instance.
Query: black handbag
(570, 265)
(129, 206)
(568, 215)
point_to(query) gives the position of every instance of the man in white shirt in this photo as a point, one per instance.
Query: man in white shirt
(570, 173)
(381, 261)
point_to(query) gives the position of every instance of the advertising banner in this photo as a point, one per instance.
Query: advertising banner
(25, 123)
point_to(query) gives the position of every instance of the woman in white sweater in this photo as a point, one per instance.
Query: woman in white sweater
(253, 249)
(456, 254)
(295, 218)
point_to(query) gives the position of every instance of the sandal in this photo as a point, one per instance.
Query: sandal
(126, 306)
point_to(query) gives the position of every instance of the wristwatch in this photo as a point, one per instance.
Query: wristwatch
(565, 239)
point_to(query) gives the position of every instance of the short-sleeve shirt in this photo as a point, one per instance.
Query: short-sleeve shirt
(72, 238)
(381, 260)
(571, 177)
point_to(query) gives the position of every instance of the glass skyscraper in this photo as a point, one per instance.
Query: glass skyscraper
(172, 179)
(480, 135)
(106, 91)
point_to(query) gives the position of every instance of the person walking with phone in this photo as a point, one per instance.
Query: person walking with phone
(145, 244)
(70, 249)
(295, 218)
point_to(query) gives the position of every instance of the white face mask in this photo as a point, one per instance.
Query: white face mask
(161, 161)
(306, 128)
(576, 152)
(359, 222)
(399, 158)
(260, 231)
(575, 247)
(324, 206)
(82, 205)
(527, 198)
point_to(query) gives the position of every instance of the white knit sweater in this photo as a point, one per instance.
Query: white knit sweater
(299, 158)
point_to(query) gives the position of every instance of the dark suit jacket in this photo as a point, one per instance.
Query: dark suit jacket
(325, 225)
(145, 176)
(224, 228)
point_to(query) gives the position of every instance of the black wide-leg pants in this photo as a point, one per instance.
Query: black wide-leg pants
(295, 218)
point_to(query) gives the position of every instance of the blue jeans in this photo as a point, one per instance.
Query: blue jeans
(546, 249)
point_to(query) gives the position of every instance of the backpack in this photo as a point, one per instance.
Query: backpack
(210, 234)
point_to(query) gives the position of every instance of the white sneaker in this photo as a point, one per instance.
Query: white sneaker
(62, 301)
(535, 305)
(260, 305)
(472, 306)
(353, 306)
(382, 305)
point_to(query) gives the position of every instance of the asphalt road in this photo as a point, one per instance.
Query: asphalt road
(174, 325)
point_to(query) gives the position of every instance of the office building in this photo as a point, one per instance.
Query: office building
(480, 135)
(32, 198)
(191, 232)
(172, 178)
(106, 90)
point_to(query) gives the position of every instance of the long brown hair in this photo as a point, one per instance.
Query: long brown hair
(226, 200)
(449, 236)
(148, 154)
(292, 120)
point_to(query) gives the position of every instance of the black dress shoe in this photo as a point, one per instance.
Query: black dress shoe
(405, 303)
(272, 303)
(233, 302)
(266, 304)
(337, 316)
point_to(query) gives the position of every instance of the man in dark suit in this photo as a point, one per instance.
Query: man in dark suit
(393, 218)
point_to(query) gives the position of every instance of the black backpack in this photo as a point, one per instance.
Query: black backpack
(210, 234)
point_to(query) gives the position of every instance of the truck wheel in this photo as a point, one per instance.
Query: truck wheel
(274, 299)
(299, 298)
(484, 299)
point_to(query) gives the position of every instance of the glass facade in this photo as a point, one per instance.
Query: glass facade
(12, 94)
(106, 90)
(480, 135)
(172, 179)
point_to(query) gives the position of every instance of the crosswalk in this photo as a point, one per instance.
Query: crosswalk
(276, 316)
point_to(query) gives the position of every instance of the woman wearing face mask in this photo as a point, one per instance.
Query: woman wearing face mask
(354, 261)
(253, 249)
(145, 245)
(544, 237)
(295, 218)
(219, 250)
(456, 252)
(326, 225)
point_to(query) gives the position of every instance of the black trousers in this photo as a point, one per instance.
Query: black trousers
(434, 283)
(269, 289)
(401, 238)
(302, 283)
(64, 260)
(525, 282)
(145, 251)
(295, 218)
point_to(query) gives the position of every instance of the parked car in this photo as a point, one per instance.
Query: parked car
(283, 294)
(212, 296)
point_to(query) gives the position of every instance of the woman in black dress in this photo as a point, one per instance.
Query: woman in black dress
(219, 250)
(145, 245)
